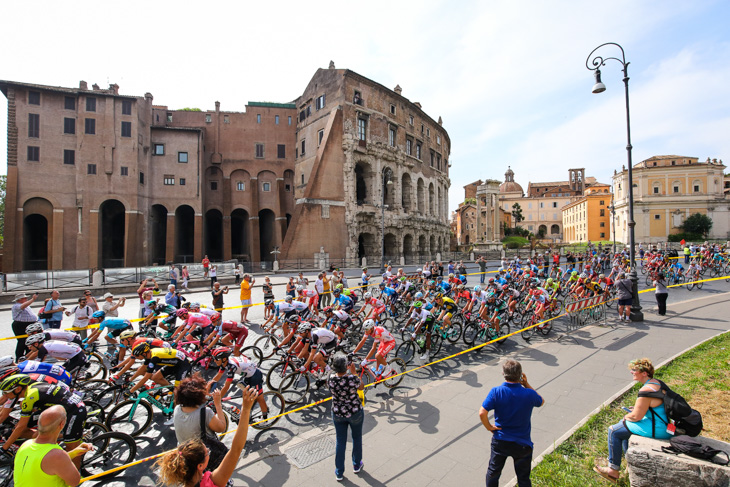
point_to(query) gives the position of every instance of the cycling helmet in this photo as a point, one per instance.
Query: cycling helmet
(288, 299)
(328, 310)
(533, 285)
(127, 334)
(491, 296)
(428, 307)
(418, 295)
(6, 361)
(15, 380)
(451, 274)
(151, 303)
(381, 285)
(99, 315)
(268, 302)
(195, 305)
(8, 371)
(221, 353)
(402, 279)
(439, 278)
(336, 292)
(477, 289)
(419, 270)
(33, 339)
(505, 287)
(588, 267)
(368, 295)
(549, 280)
(182, 313)
(431, 283)
(417, 304)
(300, 288)
(574, 273)
(339, 286)
(304, 327)
(346, 292)
(141, 349)
(601, 276)
(439, 295)
(186, 305)
(34, 328)
(368, 325)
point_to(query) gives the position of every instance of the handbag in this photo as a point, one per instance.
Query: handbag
(217, 449)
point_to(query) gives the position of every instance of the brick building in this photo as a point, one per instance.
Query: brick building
(99, 179)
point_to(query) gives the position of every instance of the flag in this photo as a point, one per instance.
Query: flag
(682, 242)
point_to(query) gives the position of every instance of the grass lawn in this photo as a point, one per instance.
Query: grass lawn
(701, 375)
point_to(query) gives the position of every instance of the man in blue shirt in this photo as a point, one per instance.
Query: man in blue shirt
(512, 403)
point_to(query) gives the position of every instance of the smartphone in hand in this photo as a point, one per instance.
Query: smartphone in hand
(626, 409)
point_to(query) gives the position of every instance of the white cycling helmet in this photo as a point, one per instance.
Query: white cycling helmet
(288, 299)
(300, 288)
(368, 295)
(34, 328)
(38, 338)
(6, 361)
(304, 327)
(368, 325)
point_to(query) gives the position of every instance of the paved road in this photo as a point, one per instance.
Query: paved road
(426, 431)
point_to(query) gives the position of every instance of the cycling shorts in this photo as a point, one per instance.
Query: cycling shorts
(344, 325)
(73, 364)
(385, 347)
(256, 381)
(74, 429)
(239, 336)
(118, 331)
(378, 310)
(327, 348)
(178, 371)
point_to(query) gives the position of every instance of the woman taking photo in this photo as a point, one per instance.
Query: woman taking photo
(347, 411)
(661, 293)
(646, 418)
(190, 397)
(186, 465)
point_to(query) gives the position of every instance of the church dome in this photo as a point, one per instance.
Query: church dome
(509, 185)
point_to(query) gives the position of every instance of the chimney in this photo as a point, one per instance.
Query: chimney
(441, 122)
(95, 87)
(417, 104)
(148, 97)
(332, 65)
(398, 89)
(83, 85)
(114, 88)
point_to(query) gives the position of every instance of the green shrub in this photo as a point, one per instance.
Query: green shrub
(688, 237)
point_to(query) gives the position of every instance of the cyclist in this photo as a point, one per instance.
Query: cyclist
(128, 340)
(55, 371)
(389, 295)
(377, 307)
(320, 343)
(39, 396)
(158, 363)
(341, 321)
(499, 307)
(250, 375)
(345, 302)
(157, 310)
(71, 353)
(309, 295)
(425, 320)
(383, 341)
(193, 324)
(552, 287)
(448, 308)
(229, 333)
(60, 335)
(115, 328)
(289, 307)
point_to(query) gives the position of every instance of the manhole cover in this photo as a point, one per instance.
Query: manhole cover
(312, 451)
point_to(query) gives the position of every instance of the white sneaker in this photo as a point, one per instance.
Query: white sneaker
(170, 421)
(424, 357)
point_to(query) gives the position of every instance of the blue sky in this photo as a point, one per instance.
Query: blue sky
(508, 78)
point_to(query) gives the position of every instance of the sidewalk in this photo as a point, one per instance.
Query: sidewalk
(431, 436)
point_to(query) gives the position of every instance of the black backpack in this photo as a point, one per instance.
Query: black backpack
(695, 449)
(687, 420)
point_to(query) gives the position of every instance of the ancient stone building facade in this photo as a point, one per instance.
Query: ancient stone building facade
(97, 179)
(371, 171)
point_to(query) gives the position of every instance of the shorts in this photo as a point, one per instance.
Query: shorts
(326, 348)
(385, 347)
(73, 364)
(75, 421)
(378, 310)
(344, 325)
(428, 325)
(178, 371)
(256, 381)
(246, 303)
(314, 300)
(625, 302)
(114, 333)
(239, 336)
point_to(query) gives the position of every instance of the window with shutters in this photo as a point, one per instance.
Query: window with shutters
(169, 180)
(91, 169)
(126, 129)
(69, 157)
(281, 151)
(259, 151)
(34, 125)
(319, 103)
(126, 107)
(34, 153)
(240, 186)
(124, 171)
(34, 98)
(69, 103)
(69, 126)
(90, 126)
(362, 125)
(90, 104)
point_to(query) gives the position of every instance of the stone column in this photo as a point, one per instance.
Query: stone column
(170, 238)
(198, 238)
(55, 242)
(93, 239)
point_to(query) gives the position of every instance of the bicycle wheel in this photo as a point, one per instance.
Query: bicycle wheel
(266, 344)
(559, 307)
(277, 373)
(649, 281)
(406, 351)
(130, 417)
(109, 396)
(690, 284)
(471, 331)
(95, 368)
(699, 285)
(453, 332)
(527, 333)
(90, 388)
(436, 341)
(504, 330)
(254, 354)
(388, 324)
(398, 366)
(92, 429)
(294, 387)
(462, 301)
(111, 450)
(275, 404)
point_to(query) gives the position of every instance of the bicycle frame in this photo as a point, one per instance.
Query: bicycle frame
(147, 396)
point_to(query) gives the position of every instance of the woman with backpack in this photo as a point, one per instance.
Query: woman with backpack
(646, 418)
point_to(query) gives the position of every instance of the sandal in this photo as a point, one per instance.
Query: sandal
(603, 472)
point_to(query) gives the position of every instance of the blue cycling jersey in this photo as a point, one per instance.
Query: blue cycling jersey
(389, 291)
(52, 370)
(445, 286)
(344, 301)
(115, 324)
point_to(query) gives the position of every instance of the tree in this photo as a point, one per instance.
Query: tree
(3, 182)
(698, 224)
(517, 213)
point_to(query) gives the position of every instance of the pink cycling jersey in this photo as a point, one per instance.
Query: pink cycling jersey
(197, 319)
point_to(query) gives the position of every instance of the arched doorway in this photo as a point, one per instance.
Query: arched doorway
(266, 235)
(541, 231)
(240, 235)
(158, 234)
(366, 247)
(111, 234)
(408, 250)
(554, 229)
(388, 189)
(184, 234)
(214, 235)
(391, 249)
(35, 243)
(432, 246)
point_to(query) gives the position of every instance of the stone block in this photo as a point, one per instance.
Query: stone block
(649, 466)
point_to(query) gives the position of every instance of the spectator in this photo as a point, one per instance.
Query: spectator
(218, 293)
(185, 278)
(512, 403)
(302, 281)
(347, 411)
(343, 279)
(461, 268)
(687, 254)
(237, 274)
(482, 268)
(82, 312)
(41, 461)
(451, 267)
(173, 275)
(190, 397)
(641, 421)
(111, 309)
(91, 300)
(440, 269)
(624, 287)
(326, 294)
(53, 305)
(291, 289)
(319, 287)
(206, 265)
(144, 287)
(661, 293)
(170, 297)
(246, 286)
(213, 275)
(22, 317)
(186, 465)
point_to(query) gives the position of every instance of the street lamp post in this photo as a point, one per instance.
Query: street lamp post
(386, 182)
(612, 209)
(594, 64)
